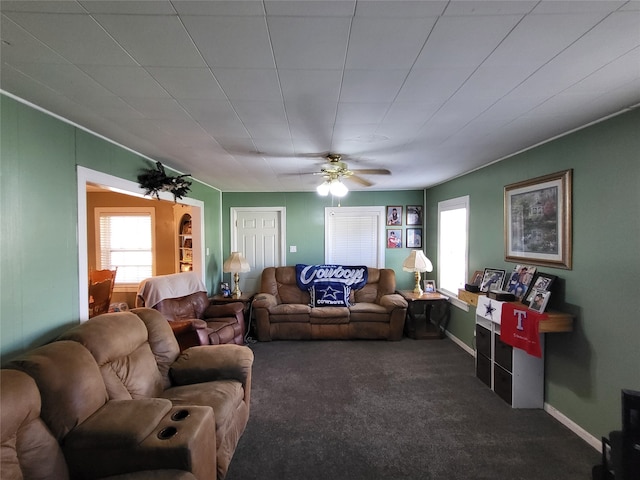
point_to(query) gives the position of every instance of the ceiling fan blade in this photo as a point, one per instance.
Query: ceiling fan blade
(372, 171)
(362, 181)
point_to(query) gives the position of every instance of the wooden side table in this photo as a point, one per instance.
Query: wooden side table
(245, 298)
(431, 328)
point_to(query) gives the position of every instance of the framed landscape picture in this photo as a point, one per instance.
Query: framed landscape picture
(537, 221)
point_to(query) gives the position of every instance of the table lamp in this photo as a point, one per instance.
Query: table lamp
(235, 264)
(417, 262)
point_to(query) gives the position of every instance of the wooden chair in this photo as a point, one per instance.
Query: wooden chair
(101, 284)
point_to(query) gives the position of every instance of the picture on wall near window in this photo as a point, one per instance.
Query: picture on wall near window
(394, 238)
(394, 216)
(492, 280)
(429, 286)
(541, 282)
(414, 214)
(539, 300)
(519, 280)
(537, 220)
(414, 238)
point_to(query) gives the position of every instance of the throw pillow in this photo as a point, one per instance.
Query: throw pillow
(329, 294)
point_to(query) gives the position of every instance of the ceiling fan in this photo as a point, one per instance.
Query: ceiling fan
(335, 170)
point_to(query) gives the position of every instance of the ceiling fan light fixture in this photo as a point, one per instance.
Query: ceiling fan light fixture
(338, 189)
(323, 189)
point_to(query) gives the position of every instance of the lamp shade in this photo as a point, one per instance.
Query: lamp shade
(338, 189)
(235, 263)
(323, 189)
(417, 262)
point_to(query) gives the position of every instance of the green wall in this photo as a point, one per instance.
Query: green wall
(305, 222)
(585, 369)
(39, 219)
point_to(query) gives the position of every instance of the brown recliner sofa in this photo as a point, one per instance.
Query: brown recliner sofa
(282, 310)
(119, 397)
(183, 300)
(29, 449)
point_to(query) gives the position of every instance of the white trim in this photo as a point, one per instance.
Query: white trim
(95, 134)
(460, 343)
(443, 206)
(120, 185)
(464, 306)
(574, 427)
(594, 442)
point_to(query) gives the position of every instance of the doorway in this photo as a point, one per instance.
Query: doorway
(87, 176)
(259, 234)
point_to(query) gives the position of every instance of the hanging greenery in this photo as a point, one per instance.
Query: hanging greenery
(156, 180)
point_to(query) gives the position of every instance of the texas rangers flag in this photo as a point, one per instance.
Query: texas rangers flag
(519, 328)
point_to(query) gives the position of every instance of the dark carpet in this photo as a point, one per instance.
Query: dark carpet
(393, 410)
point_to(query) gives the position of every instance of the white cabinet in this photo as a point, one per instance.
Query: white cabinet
(511, 373)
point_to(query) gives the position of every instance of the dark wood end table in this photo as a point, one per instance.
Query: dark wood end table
(430, 328)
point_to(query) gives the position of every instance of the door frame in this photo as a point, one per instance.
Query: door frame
(233, 228)
(127, 187)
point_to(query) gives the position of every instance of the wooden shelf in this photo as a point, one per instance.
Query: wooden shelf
(555, 323)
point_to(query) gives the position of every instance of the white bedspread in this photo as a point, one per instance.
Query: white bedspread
(155, 289)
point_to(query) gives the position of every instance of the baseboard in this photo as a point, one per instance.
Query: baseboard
(596, 443)
(460, 343)
(574, 427)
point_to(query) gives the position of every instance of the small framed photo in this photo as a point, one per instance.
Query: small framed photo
(541, 281)
(429, 286)
(539, 300)
(224, 289)
(414, 214)
(414, 238)
(394, 216)
(492, 279)
(476, 279)
(394, 238)
(519, 280)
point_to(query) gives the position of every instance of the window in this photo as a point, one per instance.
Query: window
(355, 236)
(453, 236)
(125, 239)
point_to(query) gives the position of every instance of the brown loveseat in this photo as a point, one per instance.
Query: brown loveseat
(283, 312)
(118, 396)
(182, 299)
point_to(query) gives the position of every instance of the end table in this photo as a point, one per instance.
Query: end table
(431, 328)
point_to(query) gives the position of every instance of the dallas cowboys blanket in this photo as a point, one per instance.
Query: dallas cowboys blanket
(330, 285)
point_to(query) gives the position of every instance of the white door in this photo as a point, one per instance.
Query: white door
(258, 233)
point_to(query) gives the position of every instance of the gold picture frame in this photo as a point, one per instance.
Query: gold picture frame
(538, 221)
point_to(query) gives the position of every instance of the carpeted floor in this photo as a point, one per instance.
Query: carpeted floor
(367, 410)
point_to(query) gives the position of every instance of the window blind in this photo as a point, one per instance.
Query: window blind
(353, 237)
(126, 242)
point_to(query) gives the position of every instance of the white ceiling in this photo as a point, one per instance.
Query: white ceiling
(244, 95)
